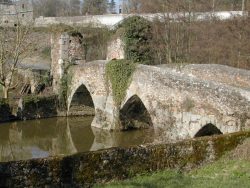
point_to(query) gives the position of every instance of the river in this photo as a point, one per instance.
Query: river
(24, 140)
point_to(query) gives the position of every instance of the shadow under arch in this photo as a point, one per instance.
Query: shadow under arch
(82, 103)
(134, 115)
(208, 130)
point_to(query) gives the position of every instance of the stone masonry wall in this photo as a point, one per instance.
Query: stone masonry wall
(86, 169)
(59, 55)
(12, 13)
(65, 50)
(35, 107)
(181, 104)
(116, 49)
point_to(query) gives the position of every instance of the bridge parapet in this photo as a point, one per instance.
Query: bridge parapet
(214, 72)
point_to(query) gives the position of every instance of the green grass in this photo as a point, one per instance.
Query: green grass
(223, 173)
(231, 171)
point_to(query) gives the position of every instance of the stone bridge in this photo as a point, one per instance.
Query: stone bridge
(112, 20)
(178, 102)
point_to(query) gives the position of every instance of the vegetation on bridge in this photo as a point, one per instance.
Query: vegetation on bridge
(119, 73)
(137, 38)
(64, 87)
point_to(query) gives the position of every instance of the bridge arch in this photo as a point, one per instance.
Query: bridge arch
(83, 86)
(208, 130)
(134, 114)
(82, 102)
(92, 76)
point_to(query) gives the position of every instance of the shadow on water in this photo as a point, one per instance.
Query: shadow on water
(61, 136)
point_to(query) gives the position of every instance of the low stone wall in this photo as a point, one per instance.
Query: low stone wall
(86, 169)
(5, 112)
(35, 107)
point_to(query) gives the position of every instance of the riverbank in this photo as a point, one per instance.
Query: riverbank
(33, 107)
(232, 170)
(89, 168)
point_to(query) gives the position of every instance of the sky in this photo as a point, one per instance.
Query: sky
(117, 4)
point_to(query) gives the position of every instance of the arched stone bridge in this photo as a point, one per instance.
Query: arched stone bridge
(181, 102)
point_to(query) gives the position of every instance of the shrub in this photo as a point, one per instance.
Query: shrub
(137, 39)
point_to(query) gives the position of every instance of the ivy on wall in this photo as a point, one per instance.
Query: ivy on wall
(137, 38)
(119, 73)
(64, 87)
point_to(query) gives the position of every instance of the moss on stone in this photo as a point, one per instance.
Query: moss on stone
(35, 106)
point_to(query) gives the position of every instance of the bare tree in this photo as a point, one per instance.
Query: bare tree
(15, 45)
(52, 8)
(94, 7)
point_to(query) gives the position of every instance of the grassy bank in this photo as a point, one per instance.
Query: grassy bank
(233, 170)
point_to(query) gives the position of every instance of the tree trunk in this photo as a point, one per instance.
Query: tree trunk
(243, 5)
(5, 92)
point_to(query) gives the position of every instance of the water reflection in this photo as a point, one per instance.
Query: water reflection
(61, 136)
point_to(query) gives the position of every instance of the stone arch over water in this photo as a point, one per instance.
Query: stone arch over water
(208, 130)
(92, 76)
(134, 114)
(80, 89)
(82, 102)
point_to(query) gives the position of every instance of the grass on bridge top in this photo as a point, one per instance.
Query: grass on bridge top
(233, 170)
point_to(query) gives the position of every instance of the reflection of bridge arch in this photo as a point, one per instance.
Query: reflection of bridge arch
(83, 135)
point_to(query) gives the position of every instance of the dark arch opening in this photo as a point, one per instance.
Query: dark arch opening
(134, 115)
(208, 130)
(82, 103)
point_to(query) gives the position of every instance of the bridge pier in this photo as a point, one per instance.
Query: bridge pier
(65, 50)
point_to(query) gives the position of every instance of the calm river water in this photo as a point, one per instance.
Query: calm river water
(61, 136)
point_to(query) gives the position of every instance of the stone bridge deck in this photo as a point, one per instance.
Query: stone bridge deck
(180, 104)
